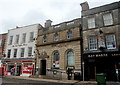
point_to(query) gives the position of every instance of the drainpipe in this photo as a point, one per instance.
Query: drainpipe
(81, 47)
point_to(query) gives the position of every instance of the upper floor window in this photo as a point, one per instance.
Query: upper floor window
(15, 52)
(57, 26)
(56, 37)
(108, 20)
(17, 39)
(0, 53)
(70, 23)
(91, 22)
(0, 42)
(29, 51)
(23, 37)
(44, 39)
(22, 52)
(10, 40)
(56, 58)
(93, 43)
(9, 53)
(110, 41)
(69, 34)
(31, 36)
(70, 58)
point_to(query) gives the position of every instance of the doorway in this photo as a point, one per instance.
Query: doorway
(43, 67)
(18, 70)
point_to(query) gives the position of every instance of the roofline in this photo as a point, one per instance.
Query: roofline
(66, 21)
(91, 11)
(25, 26)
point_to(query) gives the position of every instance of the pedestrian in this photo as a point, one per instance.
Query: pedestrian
(11, 71)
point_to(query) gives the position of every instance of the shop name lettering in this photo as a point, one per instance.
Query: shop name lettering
(97, 55)
(102, 55)
(19, 45)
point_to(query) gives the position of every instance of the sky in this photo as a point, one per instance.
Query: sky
(26, 12)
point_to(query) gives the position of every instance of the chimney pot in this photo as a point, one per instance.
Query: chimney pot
(84, 6)
(48, 23)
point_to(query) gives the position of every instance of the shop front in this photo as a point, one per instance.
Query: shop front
(18, 67)
(102, 62)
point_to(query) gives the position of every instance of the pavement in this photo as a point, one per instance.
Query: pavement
(62, 81)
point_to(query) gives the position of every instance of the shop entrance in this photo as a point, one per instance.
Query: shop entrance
(43, 67)
(11, 71)
(107, 66)
(18, 70)
(92, 70)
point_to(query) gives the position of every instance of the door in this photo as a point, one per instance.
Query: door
(43, 67)
(18, 70)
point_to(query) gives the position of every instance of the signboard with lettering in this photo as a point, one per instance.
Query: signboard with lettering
(27, 69)
(101, 41)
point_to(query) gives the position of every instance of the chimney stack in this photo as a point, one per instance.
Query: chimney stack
(48, 23)
(84, 6)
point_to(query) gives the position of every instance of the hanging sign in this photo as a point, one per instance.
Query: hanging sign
(101, 42)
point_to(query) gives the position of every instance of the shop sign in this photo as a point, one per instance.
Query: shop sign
(97, 55)
(27, 69)
(101, 41)
(19, 45)
(102, 55)
(19, 61)
(116, 54)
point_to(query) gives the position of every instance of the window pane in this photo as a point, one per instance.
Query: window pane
(1, 43)
(24, 38)
(93, 43)
(56, 37)
(70, 57)
(44, 39)
(11, 39)
(9, 53)
(110, 41)
(17, 39)
(31, 36)
(56, 60)
(15, 52)
(91, 22)
(108, 19)
(29, 51)
(22, 52)
(69, 35)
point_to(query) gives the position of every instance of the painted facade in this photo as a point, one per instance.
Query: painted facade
(20, 46)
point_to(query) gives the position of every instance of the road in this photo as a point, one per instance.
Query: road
(13, 81)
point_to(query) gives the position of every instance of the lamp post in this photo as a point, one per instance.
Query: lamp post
(83, 70)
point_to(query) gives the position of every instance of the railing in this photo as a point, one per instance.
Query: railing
(56, 74)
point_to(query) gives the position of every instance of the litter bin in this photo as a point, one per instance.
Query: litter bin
(101, 79)
(77, 76)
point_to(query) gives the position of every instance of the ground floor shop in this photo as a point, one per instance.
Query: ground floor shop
(18, 67)
(102, 62)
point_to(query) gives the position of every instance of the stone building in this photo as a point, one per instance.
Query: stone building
(101, 41)
(20, 47)
(58, 48)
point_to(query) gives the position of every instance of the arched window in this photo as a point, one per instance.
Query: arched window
(69, 34)
(70, 58)
(56, 58)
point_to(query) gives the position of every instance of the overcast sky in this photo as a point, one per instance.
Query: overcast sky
(25, 12)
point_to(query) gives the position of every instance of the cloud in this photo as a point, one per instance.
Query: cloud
(26, 12)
